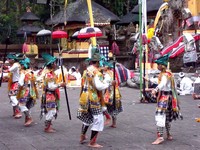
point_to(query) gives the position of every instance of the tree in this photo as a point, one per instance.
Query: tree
(11, 11)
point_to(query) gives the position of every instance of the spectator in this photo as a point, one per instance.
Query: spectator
(186, 85)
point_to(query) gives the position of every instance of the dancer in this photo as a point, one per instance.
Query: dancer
(108, 96)
(167, 104)
(27, 91)
(13, 86)
(51, 93)
(91, 99)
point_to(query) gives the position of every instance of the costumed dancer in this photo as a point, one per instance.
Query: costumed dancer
(91, 98)
(51, 93)
(108, 95)
(27, 91)
(167, 103)
(13, 86)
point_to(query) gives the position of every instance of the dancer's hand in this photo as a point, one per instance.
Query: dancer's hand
(113, 83)
(62, 84)
(153, 92)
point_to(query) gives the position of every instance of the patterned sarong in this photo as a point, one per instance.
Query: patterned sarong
(14, 88)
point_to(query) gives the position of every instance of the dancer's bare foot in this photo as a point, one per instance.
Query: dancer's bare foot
(95, 145)
(107, 122)
(195, 96)
(169, 137)
(158, 141)
(82, 139)
(113, 126)
(197, 119)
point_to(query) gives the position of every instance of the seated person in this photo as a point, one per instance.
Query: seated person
(74, 74)
(196, 94)
(186, 85)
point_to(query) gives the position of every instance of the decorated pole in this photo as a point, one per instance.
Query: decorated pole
(65, 13)
(63, 78)
(89, 3)
(140, 44)
(114, 65)
(144, 23)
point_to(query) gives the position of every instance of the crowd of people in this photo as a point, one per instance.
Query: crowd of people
(100, 98)
(96, 100)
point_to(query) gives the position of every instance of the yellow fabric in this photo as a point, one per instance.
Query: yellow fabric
(33, 90)
(9, 81)
(150, 33)
(89, 92)
(163, 7)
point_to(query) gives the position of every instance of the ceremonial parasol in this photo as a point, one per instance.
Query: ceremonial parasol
(75, 35)
(43, 32)
(59, 34)
(89, 32)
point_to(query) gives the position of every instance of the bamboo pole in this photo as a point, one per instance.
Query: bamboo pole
(89, 3)
(140, 44)
(145, 47)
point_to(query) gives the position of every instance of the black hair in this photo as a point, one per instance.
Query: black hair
(73, 69)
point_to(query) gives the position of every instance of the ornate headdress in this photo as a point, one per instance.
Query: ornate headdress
(48, 58)
(163, 60)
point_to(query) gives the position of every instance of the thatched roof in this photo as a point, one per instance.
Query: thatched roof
(128, 18)
(152, 5)
(78, 12)
(29, 16)
(29, 29)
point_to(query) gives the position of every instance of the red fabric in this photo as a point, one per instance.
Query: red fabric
(177, 52)
(174, 45)
(59, 34)
(115, 48)
(25, 48)
(144, 39)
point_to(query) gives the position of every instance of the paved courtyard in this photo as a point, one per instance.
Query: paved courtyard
(135, 130)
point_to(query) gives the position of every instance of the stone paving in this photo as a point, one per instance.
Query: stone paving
(135, 127)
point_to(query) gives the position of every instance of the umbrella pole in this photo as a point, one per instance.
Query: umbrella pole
(63, 77)
(93, 39)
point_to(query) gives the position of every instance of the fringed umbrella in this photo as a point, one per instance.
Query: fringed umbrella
(89, 32)
(59, 34)
(44, 32)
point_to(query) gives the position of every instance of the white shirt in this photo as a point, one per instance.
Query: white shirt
(15, 72)
(186, 86)
(77, 75)
(165, 84)
(100, 86)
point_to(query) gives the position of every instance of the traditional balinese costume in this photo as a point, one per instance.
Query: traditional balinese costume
(91, 98)
(114, 106)
(13, 86)
(27, 91)
(167, 103)
(51, 94)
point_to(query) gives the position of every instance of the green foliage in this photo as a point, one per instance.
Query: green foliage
(12, 10)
